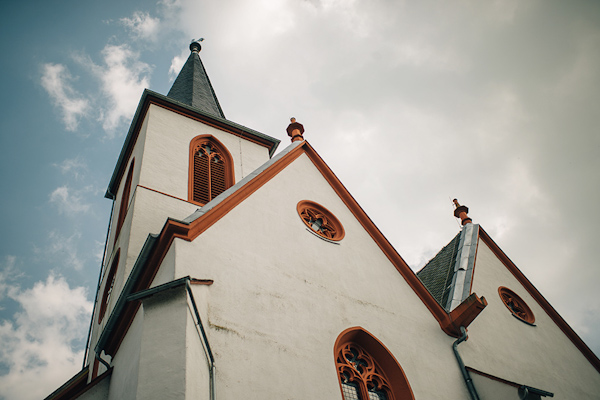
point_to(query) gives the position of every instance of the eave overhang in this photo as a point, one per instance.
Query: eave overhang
(77, 385)
(150, 97)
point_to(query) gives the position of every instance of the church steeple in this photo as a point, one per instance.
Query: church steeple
(192, 86)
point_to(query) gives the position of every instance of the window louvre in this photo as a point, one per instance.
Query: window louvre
(211, 169)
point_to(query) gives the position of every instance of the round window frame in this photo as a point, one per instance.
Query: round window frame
(332, 220)
(529, 317)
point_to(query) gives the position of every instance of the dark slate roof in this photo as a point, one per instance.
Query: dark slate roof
(192, 87)
(437, 274)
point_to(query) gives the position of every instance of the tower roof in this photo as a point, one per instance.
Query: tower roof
(192, 86)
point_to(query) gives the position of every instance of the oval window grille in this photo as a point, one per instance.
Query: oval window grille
(320, 220)
(516, 305)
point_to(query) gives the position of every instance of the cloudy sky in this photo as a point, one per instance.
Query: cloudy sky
(410, 103)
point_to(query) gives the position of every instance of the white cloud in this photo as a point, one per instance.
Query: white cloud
(176, 65)
(66, 249)
(76, 166)
(8, 275)
(123, 78)
(56, 79)
(42, 343)
(142, 25)
(70, 201)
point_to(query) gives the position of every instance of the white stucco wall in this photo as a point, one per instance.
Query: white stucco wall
(540, 356)
(281, 296)
(163, 346)
(124, 378)
(166, 154)
(197, 361)
(98, 392)
(161, 154)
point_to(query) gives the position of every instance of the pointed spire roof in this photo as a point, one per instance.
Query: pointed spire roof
(192, 86)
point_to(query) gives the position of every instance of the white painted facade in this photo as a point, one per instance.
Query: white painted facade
(501, 345)
(274, 296)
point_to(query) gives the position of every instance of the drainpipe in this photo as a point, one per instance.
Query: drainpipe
(170, 285)
(461, 365)
(107, 365)
(212, 370)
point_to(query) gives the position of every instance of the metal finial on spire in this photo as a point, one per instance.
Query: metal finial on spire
(195, 45)
(295, 130)
(461, 212)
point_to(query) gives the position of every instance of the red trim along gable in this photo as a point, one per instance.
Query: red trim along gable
(449, 323)
(544, 304)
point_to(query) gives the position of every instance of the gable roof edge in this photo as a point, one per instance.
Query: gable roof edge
(541, 300)
(151, 97)
(201, 220)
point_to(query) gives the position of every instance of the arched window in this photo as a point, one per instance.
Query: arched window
(367, 370)
(124, 201)
(211, 169)
(108, 286)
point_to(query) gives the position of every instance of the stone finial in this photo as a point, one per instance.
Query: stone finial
(295, 130)
(461, 212)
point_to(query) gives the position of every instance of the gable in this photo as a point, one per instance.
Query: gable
(149, 97)
(502, 345)
(189, 229)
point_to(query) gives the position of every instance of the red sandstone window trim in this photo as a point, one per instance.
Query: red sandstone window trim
(362, 360)
(210, 169)
(516, 305)
(124, 201)
(109, 283)
(320, 220)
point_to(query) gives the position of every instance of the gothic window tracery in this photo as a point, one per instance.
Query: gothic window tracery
(211, 169)
(320, 220)
(367, 370)
(360, 376)
(516, 305)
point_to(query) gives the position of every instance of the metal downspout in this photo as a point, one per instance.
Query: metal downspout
(89, 335)
(212, 370)
(461, 365)
(107, 365)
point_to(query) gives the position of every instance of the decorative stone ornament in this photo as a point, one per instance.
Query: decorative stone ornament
(360, 376)
(320, 220)
(516, 305)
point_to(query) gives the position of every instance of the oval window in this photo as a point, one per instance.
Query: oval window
(516, 305)
(320, 220)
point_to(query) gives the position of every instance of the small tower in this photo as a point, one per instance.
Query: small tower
(179, 155)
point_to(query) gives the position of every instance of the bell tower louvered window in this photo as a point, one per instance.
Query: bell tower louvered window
(211, 169)
(367, 370)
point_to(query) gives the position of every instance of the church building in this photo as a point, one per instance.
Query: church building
(235, 271)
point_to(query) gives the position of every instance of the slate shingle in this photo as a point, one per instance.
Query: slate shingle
(437, 274)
